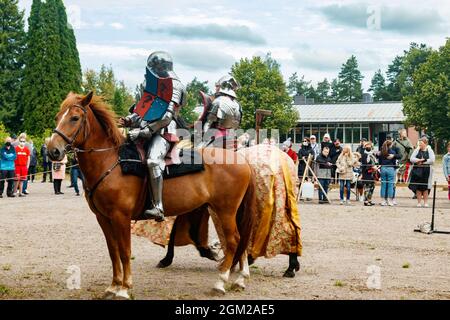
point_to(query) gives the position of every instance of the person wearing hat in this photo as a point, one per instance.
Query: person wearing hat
(287, 147)
(327, 142)
(315, 147)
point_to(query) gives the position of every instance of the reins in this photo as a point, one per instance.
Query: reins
(68, 148)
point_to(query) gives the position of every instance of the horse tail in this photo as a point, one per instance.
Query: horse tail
(245, 217)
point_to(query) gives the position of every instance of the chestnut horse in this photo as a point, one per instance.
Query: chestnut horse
(87, 126)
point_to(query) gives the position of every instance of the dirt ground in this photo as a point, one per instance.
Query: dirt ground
(42, 235)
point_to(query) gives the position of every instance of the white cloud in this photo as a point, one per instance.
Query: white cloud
(117, 25)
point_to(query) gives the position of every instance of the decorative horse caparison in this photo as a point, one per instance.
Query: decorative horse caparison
(88, 127)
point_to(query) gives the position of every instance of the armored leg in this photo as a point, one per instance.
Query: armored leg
(155, 164)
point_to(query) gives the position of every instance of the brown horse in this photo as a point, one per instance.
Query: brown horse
(86, 126)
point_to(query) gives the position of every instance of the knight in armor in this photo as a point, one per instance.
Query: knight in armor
(153, 119)
(225, 114)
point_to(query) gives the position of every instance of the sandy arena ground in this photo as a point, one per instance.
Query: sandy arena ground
(42, 235)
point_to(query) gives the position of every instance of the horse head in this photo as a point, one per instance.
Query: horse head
(70, 122)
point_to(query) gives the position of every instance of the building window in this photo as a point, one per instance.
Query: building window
(365, 133)
(356, 133)
(339, 132)
(347, 133)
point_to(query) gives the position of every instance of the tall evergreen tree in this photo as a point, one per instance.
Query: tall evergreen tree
(52, 65)
(393, 86)
(297, 86)
(378, 87)
(323, 91)
(12, 45)
(40, 90)
(335, 89)
(350, 81)
(70, 69)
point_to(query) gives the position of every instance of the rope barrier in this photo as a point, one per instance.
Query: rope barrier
(378, 166)
(33, 174)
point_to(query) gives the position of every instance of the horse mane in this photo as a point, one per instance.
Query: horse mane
(107, 119)
(103, 113)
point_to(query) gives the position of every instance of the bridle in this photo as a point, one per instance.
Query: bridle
(70, 141)
(69, 148)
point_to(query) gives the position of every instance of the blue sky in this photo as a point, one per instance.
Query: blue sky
(205, 38)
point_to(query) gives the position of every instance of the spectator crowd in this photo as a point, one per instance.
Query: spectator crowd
(397, 160)
(19, 161)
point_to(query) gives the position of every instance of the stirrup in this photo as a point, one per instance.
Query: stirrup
(154, 214)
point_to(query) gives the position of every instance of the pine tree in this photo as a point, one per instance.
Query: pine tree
(297, 86)
(378, 87)
(335, 89)
(12, 45)
(393, 72)
(70, 68)
(323, 91)
(40, 90)
(52, 65)
(350, 81)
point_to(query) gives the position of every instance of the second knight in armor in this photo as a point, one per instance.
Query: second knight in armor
(153, 119)
(225, 114)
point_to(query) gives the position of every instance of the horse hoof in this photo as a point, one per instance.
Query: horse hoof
(108, 295)
(163, 264)
(238, 286)
(289, 274)
(218, 291)
(122, 294)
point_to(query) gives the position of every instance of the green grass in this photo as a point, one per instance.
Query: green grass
(4, 290)
(406, 265)
(6, 267)
(338, 283)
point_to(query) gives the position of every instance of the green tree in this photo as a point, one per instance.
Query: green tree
(323, 91)
(297, 86)
(112, 91)
(378, 87)
(411, 61)
(263, 88)
(193, 99)
(122, 99)
(427, 106)
(335, 90)
(350, 87)
(52, 66)
(70, 69)
(393, 87)
(41, 90)
(12, 46)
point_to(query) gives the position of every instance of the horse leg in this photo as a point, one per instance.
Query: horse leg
(198, 231)
(232, 237)
(113, 249)
(122, 231)
(168, 259)
(244, 273)
(294, 265)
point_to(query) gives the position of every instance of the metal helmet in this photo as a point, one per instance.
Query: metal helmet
(160, 63)
(228, 85)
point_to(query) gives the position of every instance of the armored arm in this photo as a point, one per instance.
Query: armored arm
(211, 117)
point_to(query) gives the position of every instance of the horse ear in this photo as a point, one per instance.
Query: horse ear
(87, 99)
